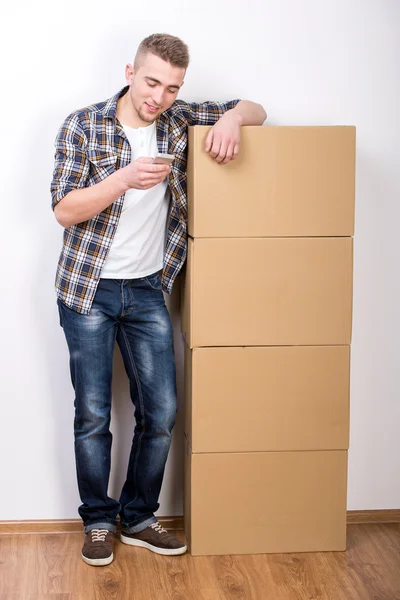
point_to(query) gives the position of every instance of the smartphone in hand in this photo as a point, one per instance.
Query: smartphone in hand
(163, 159)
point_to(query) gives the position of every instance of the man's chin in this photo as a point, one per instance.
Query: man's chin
(147, 116)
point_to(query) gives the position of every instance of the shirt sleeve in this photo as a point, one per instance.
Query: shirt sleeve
(71, 166)
(204, 113)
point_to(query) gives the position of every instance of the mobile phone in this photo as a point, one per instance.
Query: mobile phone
(163, 159)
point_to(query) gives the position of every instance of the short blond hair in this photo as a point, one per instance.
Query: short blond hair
(165, 46)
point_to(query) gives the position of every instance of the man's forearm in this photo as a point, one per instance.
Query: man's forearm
(249, 113)
(83, 204)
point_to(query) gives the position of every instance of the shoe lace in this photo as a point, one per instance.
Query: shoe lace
(157, 527)
(98, 535)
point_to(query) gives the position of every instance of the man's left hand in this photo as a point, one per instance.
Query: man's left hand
(223, 141)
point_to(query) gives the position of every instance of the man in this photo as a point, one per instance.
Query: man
(124, 244)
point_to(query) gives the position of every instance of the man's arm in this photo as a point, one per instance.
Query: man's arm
(223, 141)
(72, 201)
(81, 205)
(249, 113)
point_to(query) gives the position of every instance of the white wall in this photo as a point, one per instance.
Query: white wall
(309, 62)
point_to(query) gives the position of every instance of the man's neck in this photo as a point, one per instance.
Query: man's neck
(127, 115)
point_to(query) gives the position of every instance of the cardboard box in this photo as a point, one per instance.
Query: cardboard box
(286, 181)
(267, 398)
(245, 503)
(268, 292)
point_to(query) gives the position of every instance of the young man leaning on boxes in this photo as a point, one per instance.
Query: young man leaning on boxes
(125, 220)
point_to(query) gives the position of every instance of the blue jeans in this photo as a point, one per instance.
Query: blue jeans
(133, 313)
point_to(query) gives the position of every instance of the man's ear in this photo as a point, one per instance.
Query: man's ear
(129, 73)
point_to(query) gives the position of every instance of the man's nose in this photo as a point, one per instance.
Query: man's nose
(157, 97)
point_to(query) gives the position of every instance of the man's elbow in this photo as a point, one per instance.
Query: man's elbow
(258, 113)
(263, 114)
(60, 215)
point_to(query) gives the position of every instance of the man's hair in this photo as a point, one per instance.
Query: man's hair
(165, 46)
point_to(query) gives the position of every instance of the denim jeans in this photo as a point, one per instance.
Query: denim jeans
(132, 313)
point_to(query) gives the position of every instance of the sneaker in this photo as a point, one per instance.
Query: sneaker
(154, 538)
(98, 547)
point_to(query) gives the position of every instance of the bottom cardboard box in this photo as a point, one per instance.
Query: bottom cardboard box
(263, 502)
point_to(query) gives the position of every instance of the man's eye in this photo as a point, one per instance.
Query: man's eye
(151, 84)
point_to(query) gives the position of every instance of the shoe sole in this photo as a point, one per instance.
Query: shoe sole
(98, 562)
(164, 551)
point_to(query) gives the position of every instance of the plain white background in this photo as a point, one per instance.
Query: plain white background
(313, 62)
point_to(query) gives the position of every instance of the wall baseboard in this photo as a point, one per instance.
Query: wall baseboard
(373, 516)
(173, 523)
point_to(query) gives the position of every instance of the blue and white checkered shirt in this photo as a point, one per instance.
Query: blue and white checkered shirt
(91, 145)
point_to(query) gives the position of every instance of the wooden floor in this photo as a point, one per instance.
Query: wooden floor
(49, 567)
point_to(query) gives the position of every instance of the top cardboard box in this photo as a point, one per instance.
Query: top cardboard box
(286, 181)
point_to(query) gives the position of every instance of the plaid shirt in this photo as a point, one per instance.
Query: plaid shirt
(91, 145)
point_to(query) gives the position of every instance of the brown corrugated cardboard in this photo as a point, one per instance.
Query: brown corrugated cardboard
(286, 181)
(267, 398)
(245, 503)
(268, 292)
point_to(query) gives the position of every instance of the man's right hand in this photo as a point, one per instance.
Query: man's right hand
(142, 174)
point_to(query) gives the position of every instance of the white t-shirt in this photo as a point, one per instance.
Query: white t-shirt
(137, 249)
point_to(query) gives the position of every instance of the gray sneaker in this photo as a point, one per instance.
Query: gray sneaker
(98, 547)
(154, 538)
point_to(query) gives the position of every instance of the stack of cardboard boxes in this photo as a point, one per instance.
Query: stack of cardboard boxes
(266, 316)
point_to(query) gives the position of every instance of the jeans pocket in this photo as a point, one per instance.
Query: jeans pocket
(154, 281)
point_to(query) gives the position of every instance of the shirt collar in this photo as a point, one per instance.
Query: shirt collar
(110, 107)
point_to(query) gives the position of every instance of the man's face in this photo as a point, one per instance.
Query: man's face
(154, 85)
